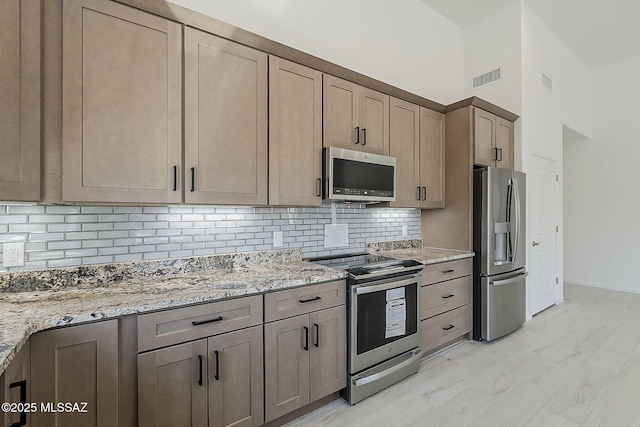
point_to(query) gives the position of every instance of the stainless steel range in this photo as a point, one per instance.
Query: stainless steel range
(384, 326)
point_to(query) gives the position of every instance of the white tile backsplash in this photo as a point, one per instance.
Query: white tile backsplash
(64, 236)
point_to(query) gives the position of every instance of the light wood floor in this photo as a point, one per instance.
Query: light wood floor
(574, 364)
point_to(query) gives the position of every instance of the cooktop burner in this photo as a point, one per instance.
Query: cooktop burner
(361, 264)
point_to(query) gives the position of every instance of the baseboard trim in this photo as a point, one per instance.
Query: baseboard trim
(601, 286)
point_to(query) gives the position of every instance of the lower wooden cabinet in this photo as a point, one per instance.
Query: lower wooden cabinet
(445, 303)
(15, 387)
(305, 359)
(77, 364)
(216, 381)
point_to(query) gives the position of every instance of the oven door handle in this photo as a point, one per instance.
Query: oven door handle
(362, 381)
(372, 287)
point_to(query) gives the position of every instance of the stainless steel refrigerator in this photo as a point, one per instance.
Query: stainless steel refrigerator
(499, 285)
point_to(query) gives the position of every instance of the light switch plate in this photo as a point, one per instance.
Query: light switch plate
(405, 231)
(13, 254)
(336, 235)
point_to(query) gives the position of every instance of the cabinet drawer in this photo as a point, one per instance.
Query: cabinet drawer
(441, 329)
(292, 302)
(444, 296)
(447, 270)
(170, 327)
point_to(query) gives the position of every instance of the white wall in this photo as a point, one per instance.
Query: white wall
(602, 205)
(406, 43)
(492, 43)
(517, 40)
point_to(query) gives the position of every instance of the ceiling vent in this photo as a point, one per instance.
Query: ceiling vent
(547, 83)
(486, 78)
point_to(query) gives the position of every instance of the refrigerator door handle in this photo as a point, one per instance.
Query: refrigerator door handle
(509, 281)
(516, 244)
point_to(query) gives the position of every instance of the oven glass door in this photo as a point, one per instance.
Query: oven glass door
(378, 310)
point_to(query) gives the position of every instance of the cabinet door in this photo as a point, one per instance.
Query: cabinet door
(20, 39)
(295, 134)
(286, 350)
(484, 137)
(328, 356)
(504, 143)
(236, 387)
(172, 386)
(341, 113)
(225, 121)
(76, 364)
(15, 382)
(432, 158)
(122, 104)
(374, 121)
(404, 145)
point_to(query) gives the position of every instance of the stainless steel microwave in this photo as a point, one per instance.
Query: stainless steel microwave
(356, 176)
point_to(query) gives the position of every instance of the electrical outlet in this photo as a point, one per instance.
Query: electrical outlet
(12, 254)
(405, 231)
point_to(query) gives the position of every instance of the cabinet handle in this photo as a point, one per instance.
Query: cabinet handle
(364, 136)
(193, 179)
(500, 152)
(357, 134)
(217, 375)
(175, 178)
(424, 193)
(446, 328)
(317, 339)
(306, 338)
(23, 399)
(495, 154)
(200, 371)
(319, 192)
(448, 271)
(202, 322)
(418, 192)
(304, 301)
(449, 296)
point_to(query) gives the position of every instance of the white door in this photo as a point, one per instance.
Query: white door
(543, 289)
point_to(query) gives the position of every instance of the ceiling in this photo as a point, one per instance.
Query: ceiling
(598, 32)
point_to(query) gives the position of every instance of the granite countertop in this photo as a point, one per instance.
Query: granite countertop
(109, 295)
(413, 249)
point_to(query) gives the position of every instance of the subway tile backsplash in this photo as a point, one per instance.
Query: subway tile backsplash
(65, 236)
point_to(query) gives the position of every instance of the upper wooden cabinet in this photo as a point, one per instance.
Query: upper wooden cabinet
(20, 105)
(493, 139)
(355, 117)
(417, 142)
(122, 104)
(295, 134)
(225, 109)
(432, 158)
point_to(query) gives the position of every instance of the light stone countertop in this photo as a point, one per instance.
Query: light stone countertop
(427, 256)
(25, 313)
(413, 249)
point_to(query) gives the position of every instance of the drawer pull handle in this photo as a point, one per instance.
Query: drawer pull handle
(304, 301)
(23, 399)
(449, 327)
(200, 372)
(449, 296)
(448, 271)
(217, 375)
(217, 319)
